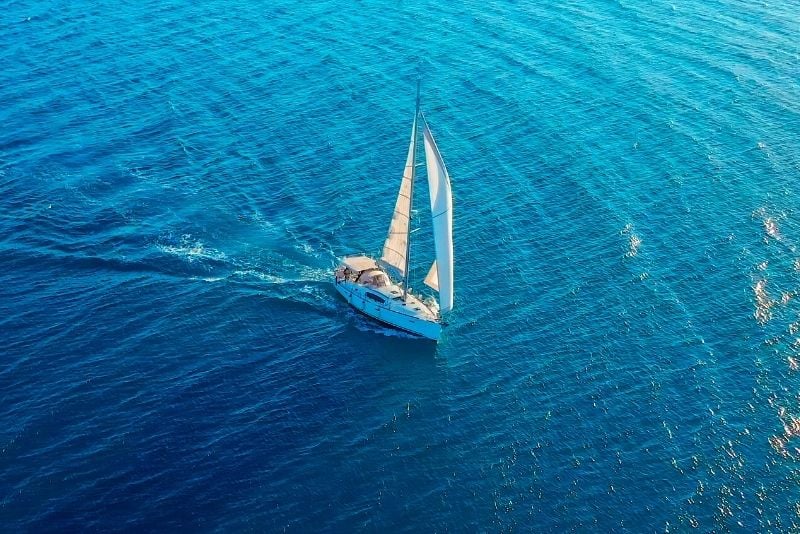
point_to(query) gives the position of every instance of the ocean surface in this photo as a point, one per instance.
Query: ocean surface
(177, 181)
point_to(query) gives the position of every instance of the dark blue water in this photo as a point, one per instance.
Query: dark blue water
(177, 180)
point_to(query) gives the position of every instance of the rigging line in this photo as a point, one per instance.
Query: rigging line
(414, 134)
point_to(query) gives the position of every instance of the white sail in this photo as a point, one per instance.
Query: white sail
(442, 213)
(395, 248)
(432, 279)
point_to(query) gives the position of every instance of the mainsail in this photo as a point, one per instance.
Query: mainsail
(395, 249)
(442, 212)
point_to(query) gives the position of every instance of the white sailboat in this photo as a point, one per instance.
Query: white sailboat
(366, 282)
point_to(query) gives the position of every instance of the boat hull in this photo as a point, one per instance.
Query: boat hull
(356, 296)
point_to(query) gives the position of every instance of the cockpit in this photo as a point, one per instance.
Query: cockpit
(373, 278)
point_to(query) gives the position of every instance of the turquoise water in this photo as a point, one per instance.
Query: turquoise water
(177, 181)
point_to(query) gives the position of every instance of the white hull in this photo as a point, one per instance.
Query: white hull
(386, 305)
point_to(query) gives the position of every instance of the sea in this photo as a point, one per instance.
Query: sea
(179, 179)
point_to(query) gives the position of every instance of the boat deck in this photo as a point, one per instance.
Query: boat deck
(365, 273)
(413, 305)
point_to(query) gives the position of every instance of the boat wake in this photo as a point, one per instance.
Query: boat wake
(192, 250)
(290, 277)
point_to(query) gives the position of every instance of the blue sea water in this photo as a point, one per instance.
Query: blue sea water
(178, 179)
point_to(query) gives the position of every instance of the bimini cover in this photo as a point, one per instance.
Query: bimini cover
(360, 263)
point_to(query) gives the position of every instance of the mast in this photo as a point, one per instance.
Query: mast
(411, 194)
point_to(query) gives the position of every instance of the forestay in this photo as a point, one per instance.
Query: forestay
(442, 212)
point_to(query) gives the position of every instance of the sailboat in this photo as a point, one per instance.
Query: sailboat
(370, 286)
